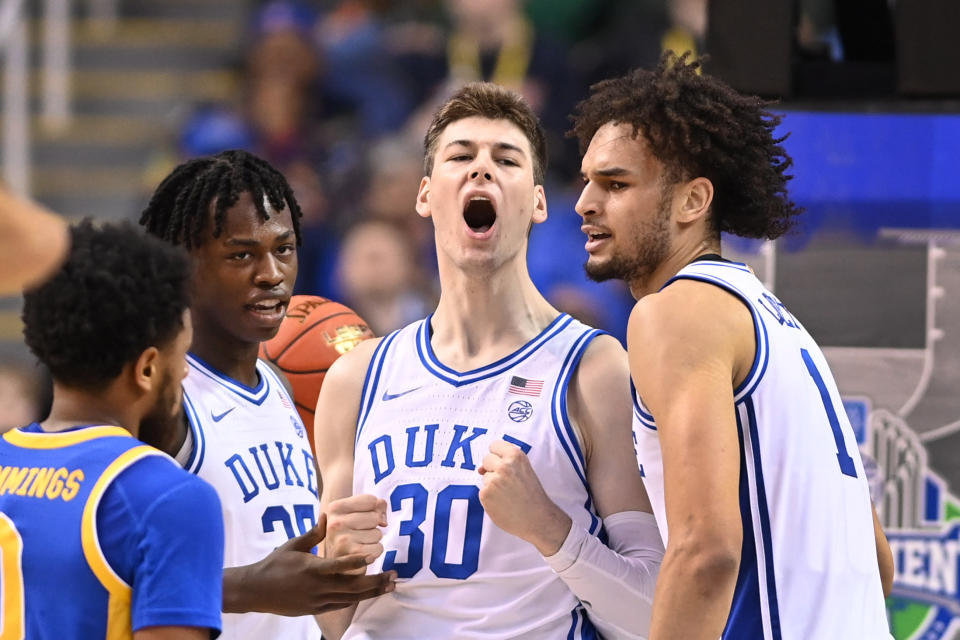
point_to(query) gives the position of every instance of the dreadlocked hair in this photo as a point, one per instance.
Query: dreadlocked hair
(178, 210)
(697, 126)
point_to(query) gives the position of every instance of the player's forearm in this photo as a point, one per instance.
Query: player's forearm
(694, 594)
(334, 623)
(615, 583)
(236, 597)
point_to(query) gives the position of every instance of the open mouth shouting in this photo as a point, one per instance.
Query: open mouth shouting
(480, 215)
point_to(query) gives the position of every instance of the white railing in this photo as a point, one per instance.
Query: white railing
(56, 107)
(16, 96)
(56, 111)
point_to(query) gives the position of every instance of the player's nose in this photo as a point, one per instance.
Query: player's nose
(480, 167)
(586, 203)
(269, 273)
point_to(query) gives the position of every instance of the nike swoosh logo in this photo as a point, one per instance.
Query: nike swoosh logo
(387, 397)
(218, 418)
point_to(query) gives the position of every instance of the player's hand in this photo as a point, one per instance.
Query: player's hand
(353, 527)
(515, 500)
(292, 581)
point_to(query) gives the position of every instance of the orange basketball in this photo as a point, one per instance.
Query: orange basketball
(315, 332)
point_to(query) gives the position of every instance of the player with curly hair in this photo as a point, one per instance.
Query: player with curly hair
(747, 454)
(86, 508)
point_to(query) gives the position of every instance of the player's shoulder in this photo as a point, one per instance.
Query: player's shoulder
(158, 478)
(603, 369)
(684, 304)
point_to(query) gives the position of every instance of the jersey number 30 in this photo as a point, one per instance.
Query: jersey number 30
(441, 531)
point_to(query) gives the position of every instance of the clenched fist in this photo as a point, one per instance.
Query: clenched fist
(516, 502)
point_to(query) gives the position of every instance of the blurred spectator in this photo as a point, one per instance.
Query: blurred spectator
(633, 33)
(494, 40)
(379, 276)
(280, 82)
(362, 76)
(24, 394)
(395, 168)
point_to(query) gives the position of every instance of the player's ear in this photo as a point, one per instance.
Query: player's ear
(423, 198)
(146, 370)
(539, 204)
(695, 198)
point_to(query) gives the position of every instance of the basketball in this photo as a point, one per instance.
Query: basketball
(315, 332)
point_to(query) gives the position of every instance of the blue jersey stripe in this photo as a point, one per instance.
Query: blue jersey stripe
(745, 619)
(256, 395)
(458, 379)
(369, 393)
(579, 348)
(199, 441)
(580, 626)
(764, 522)
(561, 421)
(762, 356)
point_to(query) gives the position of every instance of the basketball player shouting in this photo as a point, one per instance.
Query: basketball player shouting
(495, 433)
(750, 462)
(239, 221)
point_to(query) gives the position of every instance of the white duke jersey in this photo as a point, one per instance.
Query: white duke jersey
(808, 566)
(422, 433)
(251, 445)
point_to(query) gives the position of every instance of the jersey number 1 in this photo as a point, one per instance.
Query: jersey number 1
(441, 531)
(847, 467)
(11, 581)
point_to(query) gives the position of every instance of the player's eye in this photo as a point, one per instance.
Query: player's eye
(286, 249)
(617, 186)
(509, 162)
(240, 255)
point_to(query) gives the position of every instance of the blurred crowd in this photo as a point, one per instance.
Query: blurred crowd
(337, 94)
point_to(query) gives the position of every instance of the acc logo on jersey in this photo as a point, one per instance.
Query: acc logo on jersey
(920, 517)
(520, 411)
(297, 427)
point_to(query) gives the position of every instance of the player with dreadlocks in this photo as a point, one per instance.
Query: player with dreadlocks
(239, 220)
(747, 455)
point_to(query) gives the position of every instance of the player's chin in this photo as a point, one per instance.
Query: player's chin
(600, 269)
(256, 331)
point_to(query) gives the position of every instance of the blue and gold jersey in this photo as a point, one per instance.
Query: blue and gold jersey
(101, 535)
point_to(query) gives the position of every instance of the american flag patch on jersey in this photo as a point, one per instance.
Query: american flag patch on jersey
(525, 386)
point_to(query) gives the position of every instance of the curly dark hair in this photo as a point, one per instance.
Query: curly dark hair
(488, 100)
(696, 126)
(178, 212)
(119, 292)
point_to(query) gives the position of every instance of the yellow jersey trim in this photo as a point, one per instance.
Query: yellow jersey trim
(12, 624)
(119, 624)
(55, 440)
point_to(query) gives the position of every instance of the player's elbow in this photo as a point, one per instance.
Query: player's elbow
(707, 559)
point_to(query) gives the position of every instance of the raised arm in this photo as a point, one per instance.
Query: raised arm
(685, 363)
(616, 582)
(352, 520)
